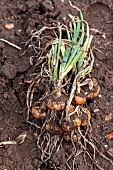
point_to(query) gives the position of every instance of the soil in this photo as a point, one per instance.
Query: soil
(15, 77)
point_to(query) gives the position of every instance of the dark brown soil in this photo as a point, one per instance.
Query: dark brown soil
(15, 71)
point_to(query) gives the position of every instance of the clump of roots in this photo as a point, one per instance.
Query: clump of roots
(56, 128)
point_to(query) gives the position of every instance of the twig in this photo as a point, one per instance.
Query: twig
(20, 139)
(8, 143)
(10, 43)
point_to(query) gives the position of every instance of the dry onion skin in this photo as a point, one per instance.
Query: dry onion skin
(85, 116)
(85, 119)
(94, 89)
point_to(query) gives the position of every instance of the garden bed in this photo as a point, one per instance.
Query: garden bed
(18, 20)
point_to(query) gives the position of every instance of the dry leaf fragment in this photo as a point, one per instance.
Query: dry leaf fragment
(110, 135)
(108, 117)
(20, 139)
(63, 49)
(110, 152)
(9, 26)
(96, 31)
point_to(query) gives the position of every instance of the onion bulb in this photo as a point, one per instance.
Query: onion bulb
(79, 99)
(38, 113)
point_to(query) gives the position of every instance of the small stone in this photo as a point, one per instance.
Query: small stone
(5, 95)
(19, 30)
(104, 36)
(99, 95)
(105, 146)
(107, 104)
(96, 110)
(64, 18)
(9, 26)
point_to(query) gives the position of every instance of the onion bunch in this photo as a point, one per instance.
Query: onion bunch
(70, 57)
